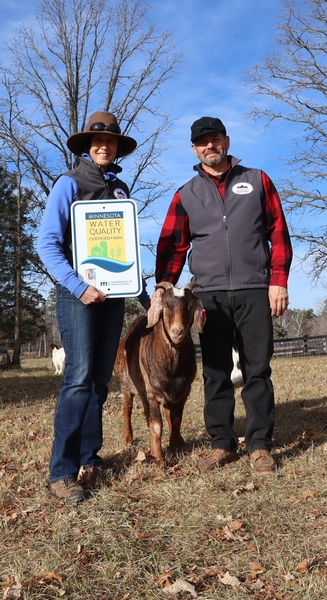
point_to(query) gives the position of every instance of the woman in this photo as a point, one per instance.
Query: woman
(89, 323)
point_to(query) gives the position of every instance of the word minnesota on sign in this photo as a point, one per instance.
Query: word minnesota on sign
(105, 239)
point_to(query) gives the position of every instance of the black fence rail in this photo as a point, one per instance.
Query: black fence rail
(293, 347)
(305, 346)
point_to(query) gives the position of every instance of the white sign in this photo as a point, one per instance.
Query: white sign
(106, 249)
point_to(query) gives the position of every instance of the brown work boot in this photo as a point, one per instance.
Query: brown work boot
(88, 476)
(68, 490)
(262, 462)
(217, 458)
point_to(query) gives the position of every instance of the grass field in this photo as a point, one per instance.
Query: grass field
(148, 533)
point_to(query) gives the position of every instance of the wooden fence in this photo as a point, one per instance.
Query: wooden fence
(293, 347)
(304, 346)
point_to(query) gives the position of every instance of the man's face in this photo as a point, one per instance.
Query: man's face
(211, 148)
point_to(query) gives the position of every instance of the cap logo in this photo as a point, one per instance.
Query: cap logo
(242, 188)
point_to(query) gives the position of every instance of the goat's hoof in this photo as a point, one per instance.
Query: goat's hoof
(176, 446)
(159, 461)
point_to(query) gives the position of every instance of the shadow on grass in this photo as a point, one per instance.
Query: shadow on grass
(299, 425)
(28, 389)
(17, 388)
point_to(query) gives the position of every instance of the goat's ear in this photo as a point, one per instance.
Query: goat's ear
(154, 312)
(199, 316)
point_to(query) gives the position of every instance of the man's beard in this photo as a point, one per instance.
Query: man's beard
(210, 162)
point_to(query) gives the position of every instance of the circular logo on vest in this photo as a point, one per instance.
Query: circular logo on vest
(119, 193)
(242, 188)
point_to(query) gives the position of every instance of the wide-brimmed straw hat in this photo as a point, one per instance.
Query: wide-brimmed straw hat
(101, 122)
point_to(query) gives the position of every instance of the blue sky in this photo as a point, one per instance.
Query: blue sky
(219, 40)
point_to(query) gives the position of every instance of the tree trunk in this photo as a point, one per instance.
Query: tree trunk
(18, 290)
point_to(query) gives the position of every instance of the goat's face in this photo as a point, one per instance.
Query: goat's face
(179, 308)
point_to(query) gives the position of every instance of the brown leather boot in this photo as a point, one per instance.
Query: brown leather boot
(68, 490)
(262, 462)
(217, 458)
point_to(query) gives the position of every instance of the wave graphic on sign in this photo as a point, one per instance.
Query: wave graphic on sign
(108, 264)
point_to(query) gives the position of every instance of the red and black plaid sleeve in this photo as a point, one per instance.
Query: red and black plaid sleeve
(173, 244)
(278, 235)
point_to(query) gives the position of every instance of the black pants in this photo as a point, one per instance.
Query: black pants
(245, 313)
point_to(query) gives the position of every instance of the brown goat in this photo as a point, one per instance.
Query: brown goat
(156, 360)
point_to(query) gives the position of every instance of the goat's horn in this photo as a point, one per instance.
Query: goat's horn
(191, 285)
(165, 284)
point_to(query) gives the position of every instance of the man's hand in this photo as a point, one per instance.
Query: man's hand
(91, 295)
(278, 299)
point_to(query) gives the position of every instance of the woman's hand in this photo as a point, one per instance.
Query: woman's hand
(91, 295)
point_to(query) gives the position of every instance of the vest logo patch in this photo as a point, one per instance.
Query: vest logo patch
(119, 193)
(242, 188)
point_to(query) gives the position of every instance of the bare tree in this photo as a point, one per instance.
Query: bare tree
(82, 56)
(296, 322)
(293, 78)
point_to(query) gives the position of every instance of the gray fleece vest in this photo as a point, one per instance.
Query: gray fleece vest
(230, 249)
(92, 186)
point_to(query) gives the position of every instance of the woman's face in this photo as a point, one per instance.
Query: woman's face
(103, 149)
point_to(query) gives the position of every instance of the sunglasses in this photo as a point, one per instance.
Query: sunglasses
(102, 127)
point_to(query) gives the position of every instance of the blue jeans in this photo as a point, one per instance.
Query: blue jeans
(247, 314)
(90, 336)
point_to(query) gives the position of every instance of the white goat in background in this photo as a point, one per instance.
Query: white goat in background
(58, 358)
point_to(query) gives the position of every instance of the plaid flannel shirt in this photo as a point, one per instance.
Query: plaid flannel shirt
(175, 240)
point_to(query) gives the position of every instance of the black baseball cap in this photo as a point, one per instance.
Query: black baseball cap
(206, 125)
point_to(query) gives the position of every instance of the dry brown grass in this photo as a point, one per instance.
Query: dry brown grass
(145, 528)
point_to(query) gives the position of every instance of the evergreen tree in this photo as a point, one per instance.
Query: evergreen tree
(21, 306)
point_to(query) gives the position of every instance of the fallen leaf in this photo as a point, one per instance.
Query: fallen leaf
(61, 591)
(224, 519)
(235, 525)
(211, 572)
(258, 585)
(303, 567)
(228, 533)
(13, 517)
(165, 579)
(228, 579)
(28, 465)
(14, 591)
(31, 509)
(242, 490)
(180, 586)
(51, 576)
(310, 494)
(141, 456)
(141, 535)
(256, 569)
(305, 496)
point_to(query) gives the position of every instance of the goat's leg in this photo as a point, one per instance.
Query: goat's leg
(128, 398)
(155, 427)
(174, 415)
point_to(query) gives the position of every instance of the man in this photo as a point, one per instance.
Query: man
(241, 255)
